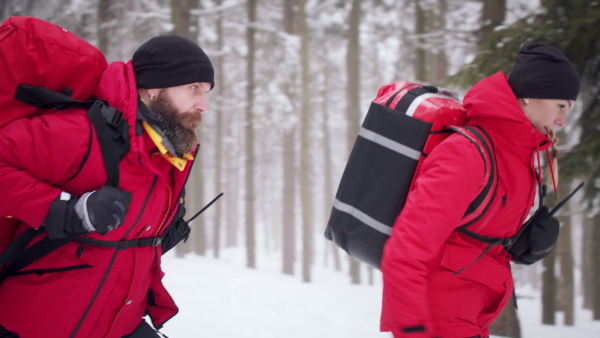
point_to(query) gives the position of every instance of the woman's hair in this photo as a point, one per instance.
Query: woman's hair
(553, 158)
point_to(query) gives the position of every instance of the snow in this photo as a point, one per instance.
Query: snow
(221, 298)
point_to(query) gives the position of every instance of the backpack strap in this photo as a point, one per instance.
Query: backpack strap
(477, 209)
(110, 127)
(480, 205)
(112, 134)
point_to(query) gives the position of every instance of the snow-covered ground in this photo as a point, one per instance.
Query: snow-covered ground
(223, 299)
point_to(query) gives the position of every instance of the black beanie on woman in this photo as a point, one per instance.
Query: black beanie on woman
(543, 72)
(169, 61)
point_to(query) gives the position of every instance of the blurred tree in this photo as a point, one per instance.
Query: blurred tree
(182, 26)
(250, 157)
(353, 97)
(305, 181)
(290, 18)
(217, 102)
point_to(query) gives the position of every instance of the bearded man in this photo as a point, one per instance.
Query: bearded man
(104, 281)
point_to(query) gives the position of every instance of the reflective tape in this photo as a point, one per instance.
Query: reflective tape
(390, 144)
(361, 216)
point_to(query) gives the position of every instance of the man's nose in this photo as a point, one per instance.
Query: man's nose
(201, 104)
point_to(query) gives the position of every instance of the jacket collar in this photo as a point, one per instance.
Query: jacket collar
(491, 103)
(149, 123)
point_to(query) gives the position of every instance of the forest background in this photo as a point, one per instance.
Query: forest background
(294, 79)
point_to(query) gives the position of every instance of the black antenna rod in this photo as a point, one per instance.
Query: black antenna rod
(202, 210)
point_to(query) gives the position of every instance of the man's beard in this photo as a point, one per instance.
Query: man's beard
(178, 126)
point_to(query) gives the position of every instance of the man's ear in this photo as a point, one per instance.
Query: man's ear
(147, 94)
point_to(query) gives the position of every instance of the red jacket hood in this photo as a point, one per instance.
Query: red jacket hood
(491, 102)
(117, 86)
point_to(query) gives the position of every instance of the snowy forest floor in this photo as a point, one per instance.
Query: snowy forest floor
(220, 298)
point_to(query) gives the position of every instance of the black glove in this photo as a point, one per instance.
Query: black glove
(101, 210)
(537, 240)
(176, 231)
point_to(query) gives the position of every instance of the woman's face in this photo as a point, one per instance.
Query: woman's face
(545, 114)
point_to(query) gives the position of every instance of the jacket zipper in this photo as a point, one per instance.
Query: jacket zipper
(108, 269)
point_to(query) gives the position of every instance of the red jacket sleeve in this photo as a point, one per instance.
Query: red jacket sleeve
(449, 181)
(36, 156)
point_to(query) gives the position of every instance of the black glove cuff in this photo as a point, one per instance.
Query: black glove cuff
(62, 220)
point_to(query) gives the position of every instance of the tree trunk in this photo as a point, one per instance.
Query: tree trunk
(549, 290)
(217, 102)
(305, 197)
(507, 324)
(107, 14)
(596, 265)
(327, 159)
(567, 287)
(289, 160)
(564, 253)
(181, 21)
(588, 288)
(493, 15)
(250, 226)
(440, 64)
(353, 98)
(420, 53)
(289, 201)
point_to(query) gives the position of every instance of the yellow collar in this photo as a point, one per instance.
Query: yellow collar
(178, 162)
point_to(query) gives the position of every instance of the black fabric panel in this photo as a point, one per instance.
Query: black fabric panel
(396, 126)
(356, 238)
(376, 182)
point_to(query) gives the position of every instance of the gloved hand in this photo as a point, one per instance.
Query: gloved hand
(101, 210)
(176, 231)
(537, 240)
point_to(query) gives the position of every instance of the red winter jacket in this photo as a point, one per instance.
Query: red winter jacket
(104, 292)
(422, 297)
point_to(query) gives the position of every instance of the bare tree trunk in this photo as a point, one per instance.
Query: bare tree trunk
(107, 14)
(564, 252)
(549, 290)
(596, 265)
(250, 219)
(493, 15)
(567, 287)
(289, 201)
(181, 20)
(588, 288)
(353, 98)
(232, 185)
(328, 171)
(440, 65)
(305, 197)
(289, 160)
(420, 53)
(507, 324)
(220, 94)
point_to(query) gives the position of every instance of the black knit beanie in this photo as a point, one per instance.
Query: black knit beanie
(543, 72)
(170, 61)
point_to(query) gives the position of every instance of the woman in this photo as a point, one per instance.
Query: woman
(423, 295)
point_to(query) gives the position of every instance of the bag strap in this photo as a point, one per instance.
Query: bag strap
(410, 96)
(480, 205)
(113, 137)
(108, 122)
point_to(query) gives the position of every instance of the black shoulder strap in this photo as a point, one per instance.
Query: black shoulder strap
(113, 137)
(411, 95)
(111, 130)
